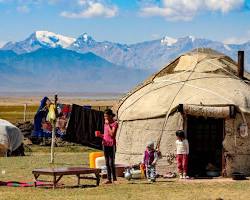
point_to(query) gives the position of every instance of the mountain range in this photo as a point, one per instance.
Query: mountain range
(49, 61)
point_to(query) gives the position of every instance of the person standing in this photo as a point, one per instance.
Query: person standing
(109, 143)
(40, 117)
(182, 151)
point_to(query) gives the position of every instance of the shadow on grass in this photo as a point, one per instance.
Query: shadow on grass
(146, 183)
(67, 187)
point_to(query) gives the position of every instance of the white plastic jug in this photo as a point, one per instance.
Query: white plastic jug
(99, 162)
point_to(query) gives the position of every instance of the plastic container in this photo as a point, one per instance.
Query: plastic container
(99, 162)
(142, 168)
(92, 158)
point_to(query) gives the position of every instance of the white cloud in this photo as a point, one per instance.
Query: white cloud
(82, 2)
(91, 8)
(23, 9)
(223, 5)
(186, 9)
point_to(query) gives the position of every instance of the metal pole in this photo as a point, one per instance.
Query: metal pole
(241, 64)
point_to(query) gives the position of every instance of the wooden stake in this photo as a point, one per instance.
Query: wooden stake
(52, 144)
(24, 112)
(53, 134)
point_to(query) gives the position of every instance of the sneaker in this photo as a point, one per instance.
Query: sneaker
(185, 176)
(181, 176)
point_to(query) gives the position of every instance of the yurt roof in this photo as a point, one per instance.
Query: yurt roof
(199, 77)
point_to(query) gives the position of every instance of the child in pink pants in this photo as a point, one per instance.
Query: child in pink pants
(182, 151)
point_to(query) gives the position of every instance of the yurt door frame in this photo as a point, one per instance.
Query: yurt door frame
(205, 136)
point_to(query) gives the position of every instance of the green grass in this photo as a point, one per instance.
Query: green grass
(65, 149)
(15, 113)
(19, 169)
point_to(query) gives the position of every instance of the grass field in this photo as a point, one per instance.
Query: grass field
(15, 113)
(19, 169)
(12, 107)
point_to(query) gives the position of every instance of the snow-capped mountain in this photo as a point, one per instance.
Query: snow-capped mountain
(83, 40)
(144, 55)
(168, 41)
(37, 40)
(153, 54)
(86, 64)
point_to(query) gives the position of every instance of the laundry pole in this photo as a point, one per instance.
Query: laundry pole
(53, 123)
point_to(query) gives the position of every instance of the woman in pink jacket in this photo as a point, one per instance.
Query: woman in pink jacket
(109, 143)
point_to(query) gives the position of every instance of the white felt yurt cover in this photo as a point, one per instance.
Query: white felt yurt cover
(199, 77)
(10, 136)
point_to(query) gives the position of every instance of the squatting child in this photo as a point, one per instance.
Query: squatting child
(149, 160)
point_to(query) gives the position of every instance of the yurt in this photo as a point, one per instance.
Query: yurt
(11, 137)
(206, 94)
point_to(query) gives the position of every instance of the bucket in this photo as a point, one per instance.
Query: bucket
(92, 158)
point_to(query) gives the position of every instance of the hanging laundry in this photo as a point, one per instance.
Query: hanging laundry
(51, 115)
(82, 126)
(63, 111)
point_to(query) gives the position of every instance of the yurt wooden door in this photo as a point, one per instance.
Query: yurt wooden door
(205, 137)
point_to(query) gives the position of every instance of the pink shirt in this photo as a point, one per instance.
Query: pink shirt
(109, 140)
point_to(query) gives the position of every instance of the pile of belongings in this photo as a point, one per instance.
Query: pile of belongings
(25, 127)
(42, 122)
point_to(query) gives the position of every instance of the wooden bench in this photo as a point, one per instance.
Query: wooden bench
(58, 173)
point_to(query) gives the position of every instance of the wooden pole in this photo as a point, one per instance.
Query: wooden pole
(241, 64)
(53, 134)
(24, 112)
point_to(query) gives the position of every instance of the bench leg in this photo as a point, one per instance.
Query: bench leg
(78, 179)
(97, 174)
(36, 177)
(54, 182)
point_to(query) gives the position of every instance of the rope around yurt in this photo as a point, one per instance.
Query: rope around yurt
(169, 110)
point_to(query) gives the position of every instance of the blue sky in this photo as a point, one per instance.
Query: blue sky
(127, 21)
